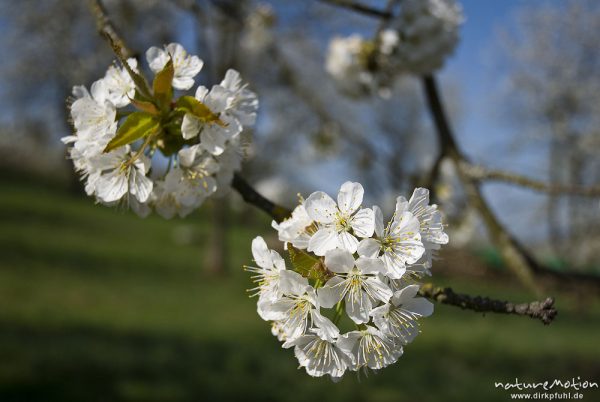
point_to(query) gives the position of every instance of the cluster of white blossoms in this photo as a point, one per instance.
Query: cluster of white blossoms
(427, 32)
(349, 271)
(418, 39)
(122, 121)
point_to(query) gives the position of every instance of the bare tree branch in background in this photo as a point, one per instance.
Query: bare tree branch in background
(482, 173)
(361, 8)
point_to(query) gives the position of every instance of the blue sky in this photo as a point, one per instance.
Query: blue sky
(481, 132)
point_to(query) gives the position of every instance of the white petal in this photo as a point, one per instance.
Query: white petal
(331, 292)
(419, 200)
(350, 197)
(292, 283)
(358, 308)
(213, 139)
(347, 241)
(157, 58)
(368, 248)
(184, 83)
(325, 329)
(405, 223)
(378, 289)
(320, 207)
(348, 341)
(261, 253)
(379, 319)
(405, 294)
(395, 266)
(378, 218)
(363, 223)
(419, 306)
(140, 186)
(401, 206)
(370, 265)
(111, 187)
(323, 240)
(338, 260)
(190, 126)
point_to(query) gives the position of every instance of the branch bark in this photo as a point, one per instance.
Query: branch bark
(251, 196)
(107, 29)
(512, 252)
(541, 310)
(480, 173)
(360, 8)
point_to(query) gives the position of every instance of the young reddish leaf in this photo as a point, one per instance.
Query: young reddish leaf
(162, 85)
(199, 110)
(145, 106)
(137, 125)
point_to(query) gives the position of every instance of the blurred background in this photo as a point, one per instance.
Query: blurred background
(97, 304)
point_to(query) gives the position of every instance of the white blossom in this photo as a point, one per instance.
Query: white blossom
(294, 229)
(366, 285)
(297, 309)
(431, 224)
(370, 348)
(318, 353)
(119, 84)
(346, 61)
(429, 33)
(93, 117)
(398, 318)
(267, 275)
(335, 222)
(399, 242)
(186, 66)
(207, 156)
(122, 173)
(356, 282)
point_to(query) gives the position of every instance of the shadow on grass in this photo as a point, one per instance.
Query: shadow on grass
(87, 364)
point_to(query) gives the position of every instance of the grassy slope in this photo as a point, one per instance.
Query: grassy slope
(98, 305)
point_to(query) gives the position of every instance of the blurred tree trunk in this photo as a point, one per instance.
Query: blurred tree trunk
(216, 248)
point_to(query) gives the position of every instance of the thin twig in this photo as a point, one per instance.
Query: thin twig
(107, 29)
(481, 173)
(542, 310)
(360, 8)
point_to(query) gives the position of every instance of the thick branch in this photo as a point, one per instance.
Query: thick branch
(542, 310)
(482, 173)
(512, 252)
(251, 196)
(360, 8)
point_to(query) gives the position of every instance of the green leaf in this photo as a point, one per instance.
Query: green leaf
(307, 264)
(137, 125)
(162, 85)
(199, 110)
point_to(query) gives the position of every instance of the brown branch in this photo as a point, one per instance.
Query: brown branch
(251, 196)
(512, 252)
(480, 173)
(107, 29)
(542, 310)
(360, 8)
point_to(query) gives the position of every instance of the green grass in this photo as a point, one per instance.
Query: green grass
(99, 305)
